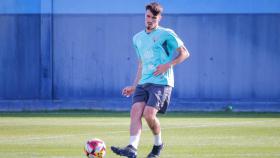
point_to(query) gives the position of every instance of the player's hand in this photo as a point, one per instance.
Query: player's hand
(161, 69)
(127, 91)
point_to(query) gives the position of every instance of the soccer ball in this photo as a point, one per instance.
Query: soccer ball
(95, 148)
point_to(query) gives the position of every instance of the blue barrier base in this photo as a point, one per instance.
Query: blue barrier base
(124, 104)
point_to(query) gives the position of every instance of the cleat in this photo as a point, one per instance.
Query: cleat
(155, 151)
(128, 151)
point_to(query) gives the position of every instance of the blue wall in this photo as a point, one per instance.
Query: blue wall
(20, 56)
(137, 6)
(81, 56)
(232, 56)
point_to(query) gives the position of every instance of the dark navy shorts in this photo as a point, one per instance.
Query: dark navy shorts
(154, 95)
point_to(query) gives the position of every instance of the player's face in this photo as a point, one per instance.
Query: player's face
(151, 21)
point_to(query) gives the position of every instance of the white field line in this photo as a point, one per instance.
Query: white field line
(28, 139)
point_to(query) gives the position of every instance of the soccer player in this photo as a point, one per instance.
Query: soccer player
(154, 80)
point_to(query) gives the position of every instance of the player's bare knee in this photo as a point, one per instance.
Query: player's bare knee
(149, 115)
(137, 110)
(134, 113)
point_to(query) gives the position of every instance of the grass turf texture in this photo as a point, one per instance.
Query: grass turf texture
(60, 134)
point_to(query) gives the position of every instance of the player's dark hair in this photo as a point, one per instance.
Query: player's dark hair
(155, 8)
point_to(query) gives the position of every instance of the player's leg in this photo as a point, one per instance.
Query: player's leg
(139, 101)
(158, 101)
(154, 124)
(130, 151)
(151, 119)
(136, 113)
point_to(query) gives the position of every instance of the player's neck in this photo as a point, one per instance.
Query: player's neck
(151, 30)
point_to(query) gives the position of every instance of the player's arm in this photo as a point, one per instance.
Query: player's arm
(138, 74)
(127, 91)
(183, 54)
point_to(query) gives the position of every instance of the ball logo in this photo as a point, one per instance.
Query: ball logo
(95, 148)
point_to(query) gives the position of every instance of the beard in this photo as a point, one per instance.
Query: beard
(150, 27)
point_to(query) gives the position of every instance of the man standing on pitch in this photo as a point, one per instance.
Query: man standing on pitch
(153, 84)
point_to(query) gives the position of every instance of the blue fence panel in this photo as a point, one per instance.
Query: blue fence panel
(137, 7)
(232, 56)
(20, 56)
(85, 52)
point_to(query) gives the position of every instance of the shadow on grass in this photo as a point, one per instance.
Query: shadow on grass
(101, 113)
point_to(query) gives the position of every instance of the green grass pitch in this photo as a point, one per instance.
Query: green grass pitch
(63, 134)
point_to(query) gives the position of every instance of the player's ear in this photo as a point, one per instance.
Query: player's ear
(159, 18)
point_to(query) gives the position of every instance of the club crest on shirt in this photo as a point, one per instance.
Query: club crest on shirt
(155, 38)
